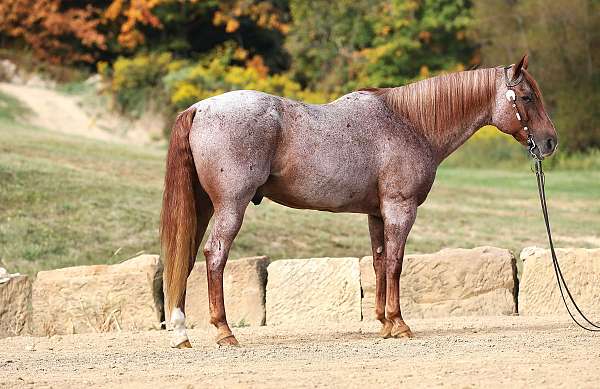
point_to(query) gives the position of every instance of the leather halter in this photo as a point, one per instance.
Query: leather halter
(511, 97)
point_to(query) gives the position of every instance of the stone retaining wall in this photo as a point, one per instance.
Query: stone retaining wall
(244, 282)
(99, 298)
(314, 290)
(15, 296)
(539, 294)
(451, 282)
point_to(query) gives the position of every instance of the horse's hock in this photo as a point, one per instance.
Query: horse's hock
(99, 298)
(244, 282)
(451, 282)
(538, 292)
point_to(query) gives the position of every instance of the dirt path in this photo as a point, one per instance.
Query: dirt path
(65, 113)
(459, 352)
(57, 111)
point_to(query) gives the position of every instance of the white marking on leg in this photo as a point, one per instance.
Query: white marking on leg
(178, 325)
(379, 250)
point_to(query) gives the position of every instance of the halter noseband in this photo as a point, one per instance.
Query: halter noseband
(511, 97)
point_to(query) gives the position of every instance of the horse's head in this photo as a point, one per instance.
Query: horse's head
(519, 110)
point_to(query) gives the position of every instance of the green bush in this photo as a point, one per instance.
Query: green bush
(173, 85)
(137, 81)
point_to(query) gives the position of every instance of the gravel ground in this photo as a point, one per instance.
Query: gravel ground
(451, 352)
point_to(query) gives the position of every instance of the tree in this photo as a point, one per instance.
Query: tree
(359, 43)
(72, 32)
(56, 33)
(416, 39)
(563, 39)
(325, 40)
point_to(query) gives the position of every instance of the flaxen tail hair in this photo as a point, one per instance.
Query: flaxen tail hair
(178, 220)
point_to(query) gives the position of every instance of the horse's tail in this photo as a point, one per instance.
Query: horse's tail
(179, 229)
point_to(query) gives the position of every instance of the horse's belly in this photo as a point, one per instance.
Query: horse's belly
(334, 194)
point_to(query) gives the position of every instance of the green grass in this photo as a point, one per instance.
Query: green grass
(70, 201)
(11, 109)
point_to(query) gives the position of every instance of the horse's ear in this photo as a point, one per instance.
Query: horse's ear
(523, 63)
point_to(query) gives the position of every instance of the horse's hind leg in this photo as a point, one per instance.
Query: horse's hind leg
(377, 246)
(177, 318)
(228, 219)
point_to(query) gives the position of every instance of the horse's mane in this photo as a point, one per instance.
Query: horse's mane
(443, 102)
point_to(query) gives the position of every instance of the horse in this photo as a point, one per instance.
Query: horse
(373, 151)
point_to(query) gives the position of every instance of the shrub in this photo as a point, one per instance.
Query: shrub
(158, 80)
(137, 81)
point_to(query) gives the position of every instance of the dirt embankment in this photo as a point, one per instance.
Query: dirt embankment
(459, 352)
(86, 117)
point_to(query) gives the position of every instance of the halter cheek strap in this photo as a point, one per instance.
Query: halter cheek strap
(512, 99)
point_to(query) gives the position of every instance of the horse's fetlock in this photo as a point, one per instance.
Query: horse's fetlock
(393, 315)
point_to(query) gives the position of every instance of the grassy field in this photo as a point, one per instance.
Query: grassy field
(71, 201)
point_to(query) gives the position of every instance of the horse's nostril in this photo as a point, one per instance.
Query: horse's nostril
(550, 144)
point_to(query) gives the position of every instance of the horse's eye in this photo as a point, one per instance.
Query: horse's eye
(527, 98)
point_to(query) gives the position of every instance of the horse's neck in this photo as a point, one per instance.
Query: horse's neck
(447, 109)
(445, 144)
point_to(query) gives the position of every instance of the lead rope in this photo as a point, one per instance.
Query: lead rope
(559, 275)
(539, 172)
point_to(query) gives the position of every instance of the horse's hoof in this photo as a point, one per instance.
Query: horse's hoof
(228, 341)
(405, 334)
(386, 330)
(184, 344)
(401, 330)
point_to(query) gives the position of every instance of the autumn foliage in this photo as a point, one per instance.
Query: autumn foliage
(55, 34)
(71, 31)
(178, 51)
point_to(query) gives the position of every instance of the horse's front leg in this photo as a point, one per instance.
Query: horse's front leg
(377, 246)
(398, 219)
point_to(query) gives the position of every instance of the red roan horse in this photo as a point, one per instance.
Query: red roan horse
(374, 151)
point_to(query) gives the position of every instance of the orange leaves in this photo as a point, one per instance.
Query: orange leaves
(257, 63)
(232, 25)
(61, 33)
(52, 33)
(66, 32)
(263, 13)
(130, 14)
(425, 36)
